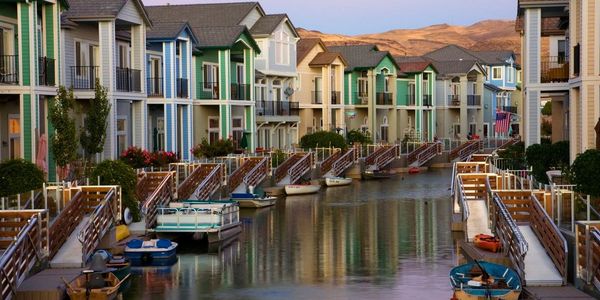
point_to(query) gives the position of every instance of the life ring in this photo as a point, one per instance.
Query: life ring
(127, 217)
(146, 258)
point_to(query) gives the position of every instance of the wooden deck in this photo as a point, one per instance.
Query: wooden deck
(554, 292)
(46, 285)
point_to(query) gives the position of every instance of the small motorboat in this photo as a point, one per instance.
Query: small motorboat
(487, 242)
(94, 286)
(378, 174)
(250, 200)
(155, 252)
(484, 280)
(301, 189)
(337, 181)
(414, 170)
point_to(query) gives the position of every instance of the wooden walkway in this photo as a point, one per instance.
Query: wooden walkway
(47, 285)
(555, 293)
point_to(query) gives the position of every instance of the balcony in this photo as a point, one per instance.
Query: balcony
(277, 108)
(9, 69)
(361, 98)
(554, 69)
(316, 97)
(427, 101)
(154, 86)
(474, 100)
(240, 91)
(453, 100)
(84, 77)
(208, 90)
(411, 100)
(510, 109)
(128, 80)
(335, 97)
(384, 98)
(46, 71)
(182, 88)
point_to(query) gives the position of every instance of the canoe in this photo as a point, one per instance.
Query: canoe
(249, 200)
(300, 189)
(337, 181)
(495, 281)
(487, 242)
(94, 286)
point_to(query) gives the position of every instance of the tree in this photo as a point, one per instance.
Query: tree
(216, 149)
(64, 141)
(585, 172)
(323, 139)
(93, 134)
(547, 109)
(355, 136)
(116, 172)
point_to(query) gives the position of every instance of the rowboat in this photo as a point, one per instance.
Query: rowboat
(300, 189)
(337, 181)
(155, 252)
(91, 285)
(249, 200)
(487, 242)
(484, 280)
(414, 170)
(378, 174)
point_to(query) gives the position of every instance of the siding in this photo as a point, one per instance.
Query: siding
(532, 40)
(82, 32)
(25, 45)
(590, 42)
(130, 13)
(401, 91)
(251, 18)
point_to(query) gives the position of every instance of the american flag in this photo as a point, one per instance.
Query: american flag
(502, 121)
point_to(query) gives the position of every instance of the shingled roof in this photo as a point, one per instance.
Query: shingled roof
(221, 36)
(361, 56)
(326, 58)
(451, 53)
(203, 15)
(267, 24)
(93, 10)
(494, 57)
(413, 64)
(168, 30)
(304, 46)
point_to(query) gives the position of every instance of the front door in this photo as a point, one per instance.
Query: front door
(14, 136)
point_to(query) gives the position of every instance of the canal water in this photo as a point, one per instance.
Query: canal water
(387, 239)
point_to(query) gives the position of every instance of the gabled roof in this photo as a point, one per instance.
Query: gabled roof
(495, 57)
(80, 10)
(326, 58)
(456, 67)
(267, 24)
(413, 64)
(222, 36)
(203, 15)
(169, 31)
(362, 56)
(304, 46)
(451, 53)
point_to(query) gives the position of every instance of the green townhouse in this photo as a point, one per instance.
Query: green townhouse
(29, 75)
(370, 91)
(415, 88)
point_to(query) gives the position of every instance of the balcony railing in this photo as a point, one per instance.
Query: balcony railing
(128, 80)
(277, 108)
(411, 100)
(510, 109)
(46, 71)
(9, 69)
(240, 91)
(155, 87)
(182, 88)
(384, 98)
(427, 101)
(335, 97)
(84, 77)
(453, 100)
(554, 69)
(208, 90)
(474, 100)
(361, 98)
(317, 97)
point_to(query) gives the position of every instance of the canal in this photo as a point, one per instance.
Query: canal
(373, 239)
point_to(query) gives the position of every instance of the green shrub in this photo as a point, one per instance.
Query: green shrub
(585, 172)
(116, 172)
(19, 176)
(547, 109)
(323, 139)
(544, 157)
(277, 158)
(561, 154)
(208, 150)
(355, 136)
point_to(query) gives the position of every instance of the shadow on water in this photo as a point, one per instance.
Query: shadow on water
(369, 240)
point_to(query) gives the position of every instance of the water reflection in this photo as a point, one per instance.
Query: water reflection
(388, 238)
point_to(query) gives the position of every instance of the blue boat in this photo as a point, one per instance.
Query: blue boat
(156, 252)
(484, 280)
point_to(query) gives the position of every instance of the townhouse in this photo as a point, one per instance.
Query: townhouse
(370, 91)
(321, 82)
(416, 94)
(30, 44)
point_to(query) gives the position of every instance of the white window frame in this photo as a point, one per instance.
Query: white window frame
(509, 75)
(214, 71)
(282, 48)
(160, 133)
(274, 87)
(213, 129)
(519, 74)
(14, 137)
(239, 128)
(127, 58)
(501, 68)
(124, 133)
(243, 74)
(9, 43)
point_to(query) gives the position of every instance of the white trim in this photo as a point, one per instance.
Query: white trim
(501, 68)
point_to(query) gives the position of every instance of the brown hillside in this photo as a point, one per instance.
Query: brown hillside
(484, 35)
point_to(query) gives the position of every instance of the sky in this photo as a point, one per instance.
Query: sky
(372, 16)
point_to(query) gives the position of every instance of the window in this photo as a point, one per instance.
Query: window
(6, 39)
(124, 55)
(411, 93)
(282, 48)
(561, 51)
(510, 74)
(211, 76)
(497, 73)
(121, 134)
(489, 72)
(384, 129)
(14, 136)
(386, 84)
(237, 130)
(519, 74)
(213, 129)
(261, 46)
(86, 55)
(160, 133)
(472, 128)
(276, 90)
(363, 88)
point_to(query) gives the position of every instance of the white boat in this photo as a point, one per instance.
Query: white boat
(300, 189)
(337, 181)
(249, 200)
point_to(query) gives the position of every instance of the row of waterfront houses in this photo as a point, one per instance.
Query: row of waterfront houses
(177, 74)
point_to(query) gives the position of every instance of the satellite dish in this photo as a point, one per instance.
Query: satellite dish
(288, 91)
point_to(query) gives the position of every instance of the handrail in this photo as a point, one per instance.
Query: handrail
(218, 216)
(432, 150)
(210, 184)
(513, 242)
(66, 222)
(281, 171)
(160, 197)
(300, 168)
(473, 147)
(345, 161)
(386, 157)
(103, 216)
(327, 164)
(462, 201)
(370, 159)
(186, 188)
(595, 239)
(24, 252)
(413, 156)
(258, 173)
(237, 177)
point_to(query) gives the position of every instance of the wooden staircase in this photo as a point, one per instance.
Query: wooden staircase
(200, 183)
(327, 164)
(300, 168)
(343, 162)
(424, 154)
(466, 150)
(237, 177)
(282, 170)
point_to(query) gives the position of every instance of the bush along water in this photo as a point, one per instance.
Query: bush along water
(117, 172)
(19, 176)
(210, 150)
